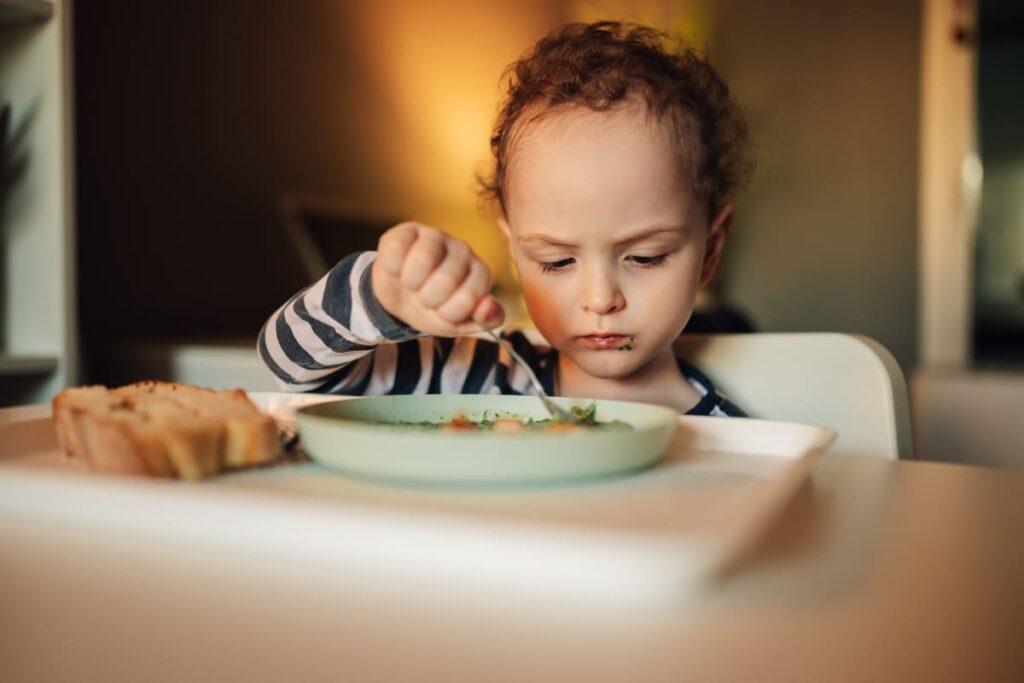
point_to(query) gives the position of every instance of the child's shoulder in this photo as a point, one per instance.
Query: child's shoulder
(712, 401)
(529, 344)
(525, 336)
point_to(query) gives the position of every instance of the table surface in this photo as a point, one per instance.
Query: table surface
(877, 570)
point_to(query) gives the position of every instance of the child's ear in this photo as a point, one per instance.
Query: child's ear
(717, 234)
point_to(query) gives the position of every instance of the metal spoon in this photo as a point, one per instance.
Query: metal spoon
(556, 411)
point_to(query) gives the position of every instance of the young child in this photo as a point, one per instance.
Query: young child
(614, 163)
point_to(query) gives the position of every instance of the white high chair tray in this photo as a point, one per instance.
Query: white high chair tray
(639, 539)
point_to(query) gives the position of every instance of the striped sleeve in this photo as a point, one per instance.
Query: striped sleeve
(334, 337)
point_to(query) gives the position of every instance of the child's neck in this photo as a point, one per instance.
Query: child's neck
(660, 382)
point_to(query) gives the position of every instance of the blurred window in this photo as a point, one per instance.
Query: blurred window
(999, 256)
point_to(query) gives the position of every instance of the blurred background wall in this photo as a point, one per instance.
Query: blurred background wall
(827, 235)
(194, 117)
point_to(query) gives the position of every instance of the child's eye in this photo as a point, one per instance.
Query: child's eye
(648, 261)
(554, 266)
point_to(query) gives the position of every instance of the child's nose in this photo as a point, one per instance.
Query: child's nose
(602, 295)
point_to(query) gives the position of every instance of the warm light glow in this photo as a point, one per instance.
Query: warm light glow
(687, 19)
(438, 66)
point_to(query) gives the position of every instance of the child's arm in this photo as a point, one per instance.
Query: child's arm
(339, 335)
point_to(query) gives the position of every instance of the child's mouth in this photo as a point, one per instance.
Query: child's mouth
(606, 341)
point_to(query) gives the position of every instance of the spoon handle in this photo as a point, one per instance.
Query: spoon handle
(554, 409)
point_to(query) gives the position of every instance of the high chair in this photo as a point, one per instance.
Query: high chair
(847, 382)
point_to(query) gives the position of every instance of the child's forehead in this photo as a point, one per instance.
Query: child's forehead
(583, 142)
(579, 140)
(552, 122)
(597, 168)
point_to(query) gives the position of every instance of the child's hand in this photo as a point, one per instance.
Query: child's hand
(433, 282)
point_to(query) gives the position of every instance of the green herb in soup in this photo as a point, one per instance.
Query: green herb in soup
(507, 424)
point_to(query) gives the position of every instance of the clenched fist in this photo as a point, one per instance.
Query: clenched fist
(433, 282)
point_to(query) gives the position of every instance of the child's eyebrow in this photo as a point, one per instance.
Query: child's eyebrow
(650, 232)
(642, 235)
(538, 237)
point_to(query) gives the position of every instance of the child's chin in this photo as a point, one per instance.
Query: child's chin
(608, 364)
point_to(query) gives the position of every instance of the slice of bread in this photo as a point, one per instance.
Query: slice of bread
(163, 429)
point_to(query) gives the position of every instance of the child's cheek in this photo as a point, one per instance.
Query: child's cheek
(543, 306)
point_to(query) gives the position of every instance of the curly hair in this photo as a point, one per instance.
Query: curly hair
(607, 63)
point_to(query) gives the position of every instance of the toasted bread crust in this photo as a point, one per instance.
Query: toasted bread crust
(163, 429)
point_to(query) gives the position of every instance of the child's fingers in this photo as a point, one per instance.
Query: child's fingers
(424, 256)
(394, 245)
(448, 276)
(459, 307)
(489, 312)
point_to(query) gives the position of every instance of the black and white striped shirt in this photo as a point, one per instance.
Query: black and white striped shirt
(334, 337)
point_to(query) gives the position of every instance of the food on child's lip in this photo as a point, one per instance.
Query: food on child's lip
(510, 424)
(602, 342)
(163, 429)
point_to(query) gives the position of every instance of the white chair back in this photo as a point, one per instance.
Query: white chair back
(847, 382)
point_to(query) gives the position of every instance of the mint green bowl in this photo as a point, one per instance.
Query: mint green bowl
(349, 435)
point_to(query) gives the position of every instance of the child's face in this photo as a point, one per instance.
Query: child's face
(609, 241)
